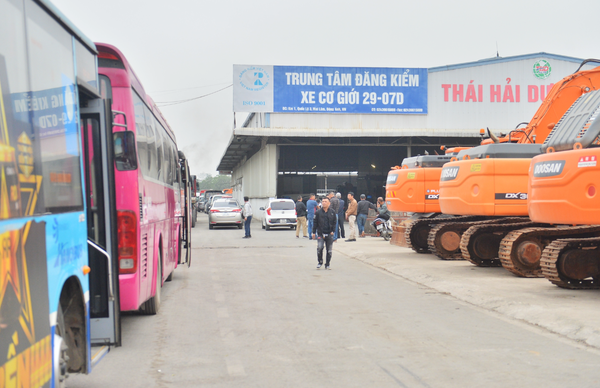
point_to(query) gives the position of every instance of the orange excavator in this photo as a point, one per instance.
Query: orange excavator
(563, 189)
(414, 187)
(487, 185)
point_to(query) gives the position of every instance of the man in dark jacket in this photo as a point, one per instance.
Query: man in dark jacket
(334, 203)
(301, 217)
(323, 230)
(363, 211)
(341, 231)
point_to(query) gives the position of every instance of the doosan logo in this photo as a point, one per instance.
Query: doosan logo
(449, 173)
(546, 169)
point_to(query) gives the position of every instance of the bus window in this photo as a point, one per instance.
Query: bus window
(86, 65)
(55, 119)
(159, 150)
(141, 134)
(105, 87)
(167, 167)
(124, 149)
(151, 140)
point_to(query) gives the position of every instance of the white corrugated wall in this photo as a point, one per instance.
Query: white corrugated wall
(257, 178)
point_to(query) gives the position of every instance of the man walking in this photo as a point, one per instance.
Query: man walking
(351, 216)
(334, 203)
(301, 217)
(323, 227)
(247, 214)
(363, 212)
(341, 232)
(311, 205)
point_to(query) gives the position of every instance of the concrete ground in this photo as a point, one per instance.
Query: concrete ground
(569, 313)
(257, 313)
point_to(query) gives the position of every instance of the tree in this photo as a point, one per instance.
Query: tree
(218, 182)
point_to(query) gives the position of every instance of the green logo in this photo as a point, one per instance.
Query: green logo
(542, 69)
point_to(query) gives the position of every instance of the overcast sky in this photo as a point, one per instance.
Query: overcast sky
(183, 49)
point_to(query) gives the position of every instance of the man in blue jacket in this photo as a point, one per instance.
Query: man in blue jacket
(311, 205)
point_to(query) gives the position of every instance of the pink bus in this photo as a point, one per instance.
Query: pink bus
(150, 191)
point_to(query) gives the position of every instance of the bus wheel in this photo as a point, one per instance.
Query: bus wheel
(59, 353)
(151, 306)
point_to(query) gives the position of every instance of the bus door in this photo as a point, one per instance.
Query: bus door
(97, 138)
(187, 213)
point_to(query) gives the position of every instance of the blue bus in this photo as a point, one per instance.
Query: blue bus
(58, 236)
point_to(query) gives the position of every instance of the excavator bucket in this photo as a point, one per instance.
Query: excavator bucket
(399, 235)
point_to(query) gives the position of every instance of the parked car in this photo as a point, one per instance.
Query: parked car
(212, 199)
(280, 212)
(202, 204)
(225, 212)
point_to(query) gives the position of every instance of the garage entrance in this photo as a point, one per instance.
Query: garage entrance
(319, 165)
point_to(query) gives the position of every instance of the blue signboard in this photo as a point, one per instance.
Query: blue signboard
(350, 90)
(312, 89)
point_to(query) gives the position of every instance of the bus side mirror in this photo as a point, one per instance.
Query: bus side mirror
(124, 150)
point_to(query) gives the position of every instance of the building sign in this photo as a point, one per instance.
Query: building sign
(308, 89)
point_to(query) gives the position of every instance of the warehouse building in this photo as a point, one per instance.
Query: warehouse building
(311, 129)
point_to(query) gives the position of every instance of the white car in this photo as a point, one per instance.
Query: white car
(279, 212)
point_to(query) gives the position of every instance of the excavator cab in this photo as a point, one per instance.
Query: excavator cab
(415, 186)
(564, 182)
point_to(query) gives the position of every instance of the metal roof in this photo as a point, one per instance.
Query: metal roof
(239, 147)
(495, 60)
(245, 142)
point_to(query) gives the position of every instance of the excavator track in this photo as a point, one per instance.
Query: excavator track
(584, 254)
(521, 250)
(417, 232)
(480, 244)
(444, 239)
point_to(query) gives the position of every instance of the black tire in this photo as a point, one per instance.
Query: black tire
(263, 226)
(193, 218)
(152, 305)
(210, 226)
(170, 277)
(61, 372)
(267, 227)
(240, 226)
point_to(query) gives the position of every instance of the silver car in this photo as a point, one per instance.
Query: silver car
(225, 212)
(214, 198)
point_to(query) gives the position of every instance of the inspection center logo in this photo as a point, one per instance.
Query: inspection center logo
(254, 78)
(542, 69)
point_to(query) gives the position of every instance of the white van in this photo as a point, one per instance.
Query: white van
(279, 212)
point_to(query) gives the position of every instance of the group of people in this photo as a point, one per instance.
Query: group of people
(326, 220)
